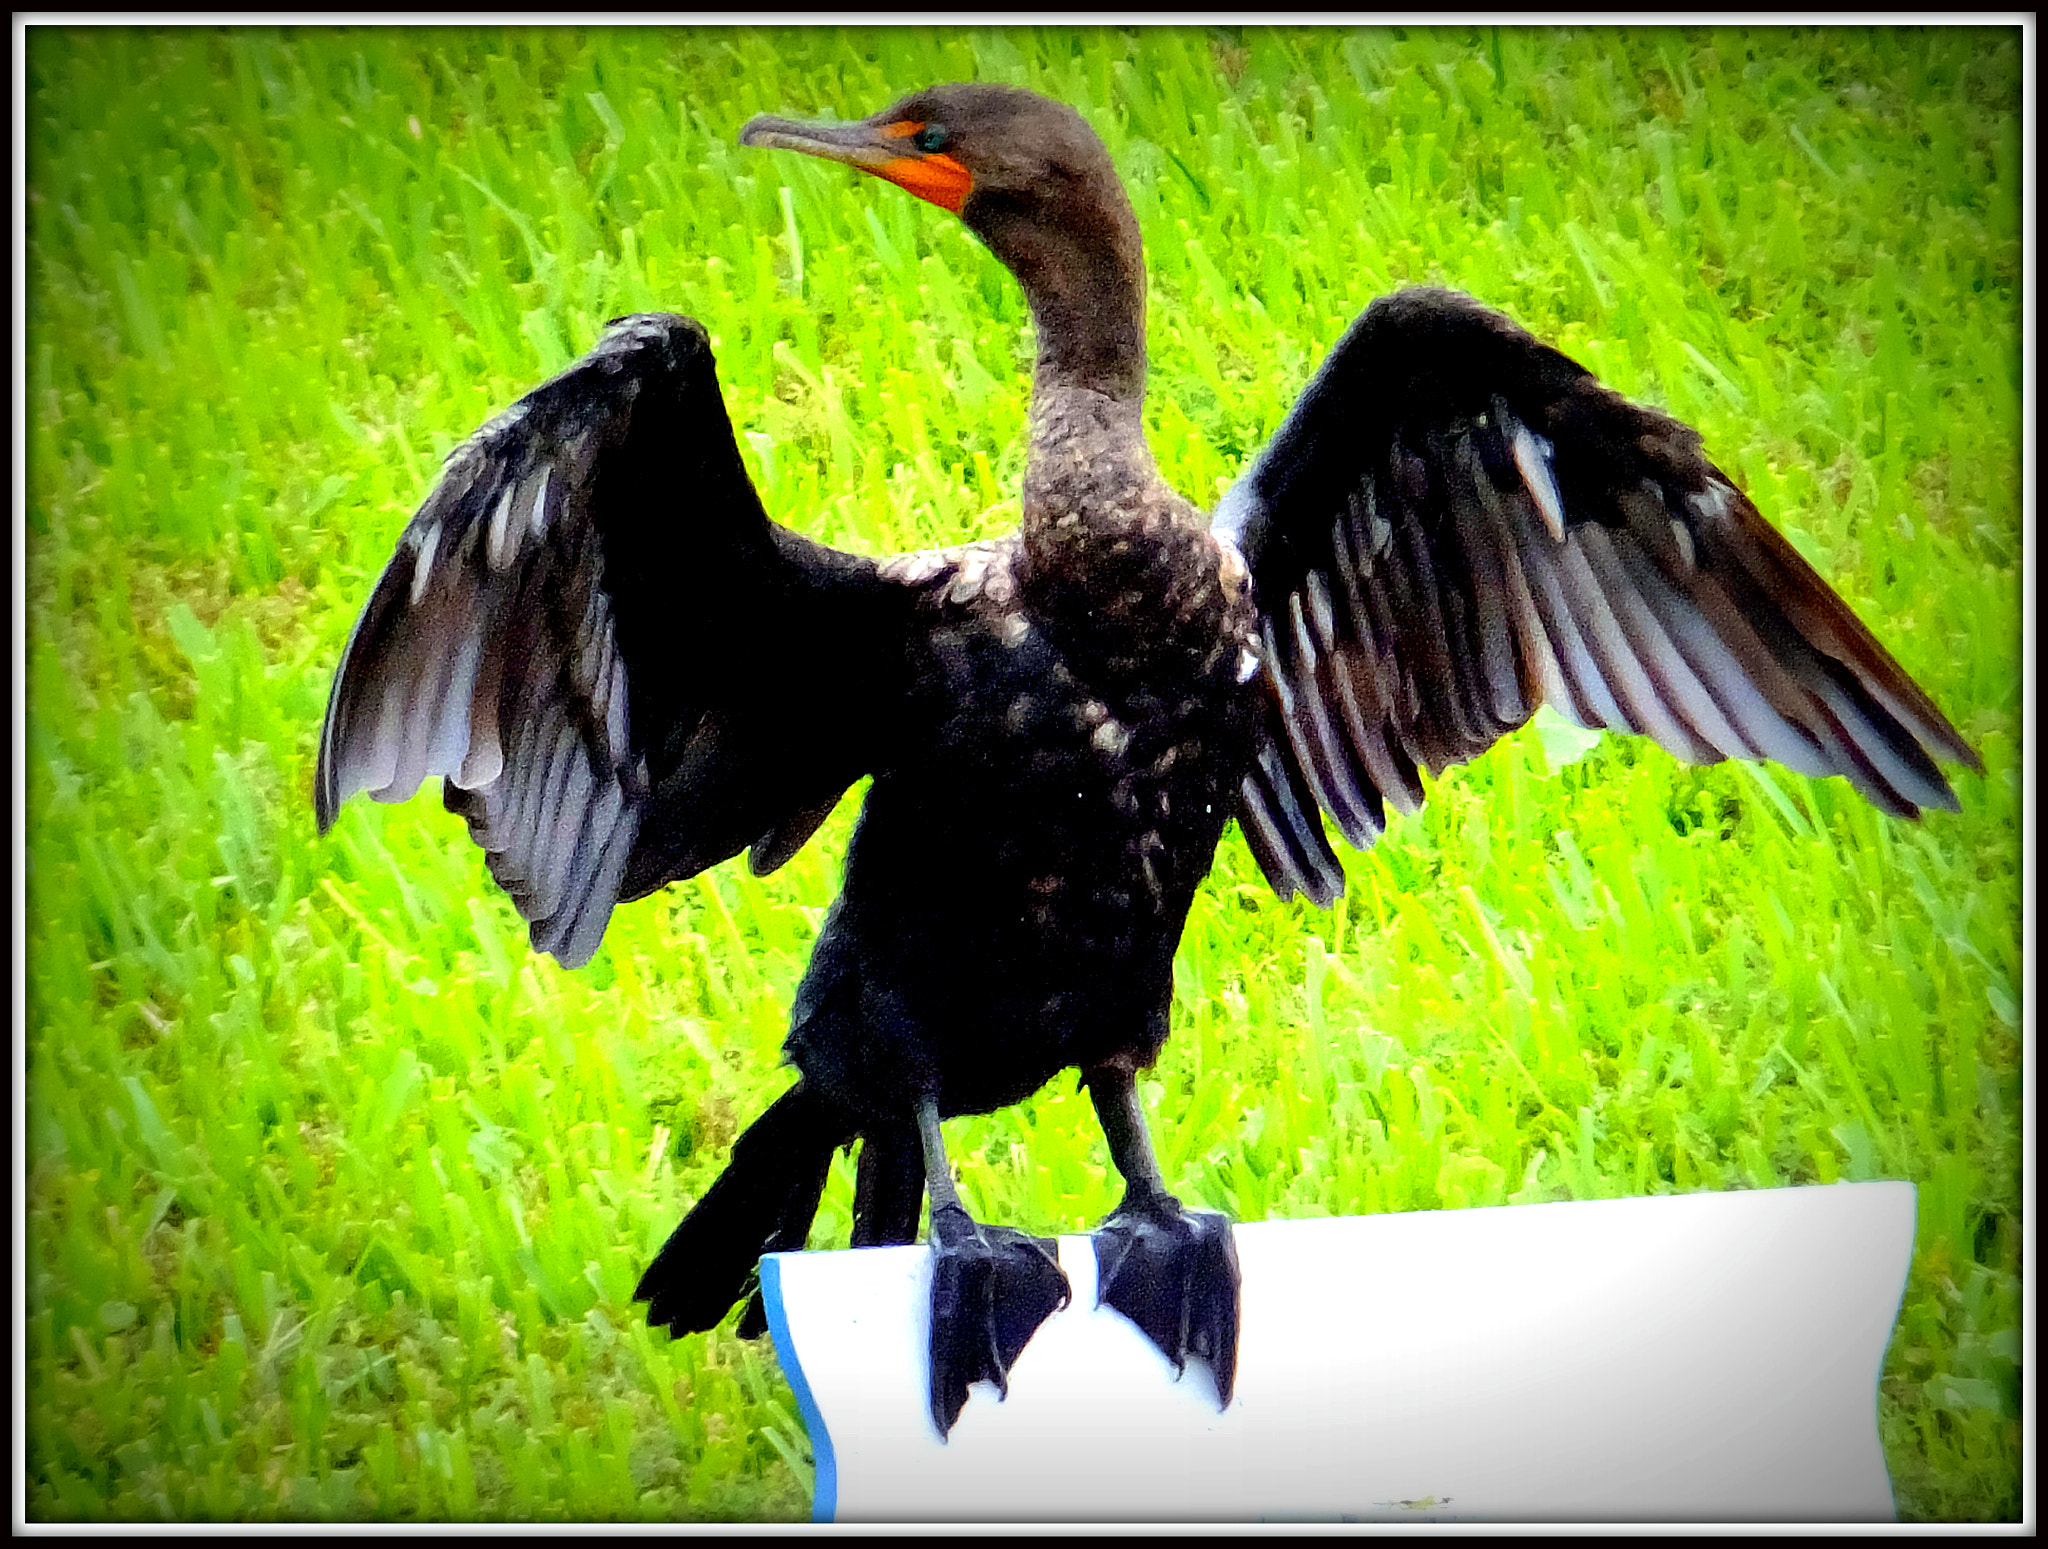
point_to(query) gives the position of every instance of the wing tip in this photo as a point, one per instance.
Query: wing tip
(1327, 891)
(1941, 740)
(1285, 835)
(326, 800)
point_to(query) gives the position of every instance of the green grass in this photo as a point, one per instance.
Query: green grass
(336, 1194)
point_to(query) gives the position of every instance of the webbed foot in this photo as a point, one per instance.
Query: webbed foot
(992, 1287)
(1173, 1272)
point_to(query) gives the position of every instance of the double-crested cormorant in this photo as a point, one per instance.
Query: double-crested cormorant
(626, 673)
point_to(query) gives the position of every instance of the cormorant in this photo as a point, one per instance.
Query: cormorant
(625, 673)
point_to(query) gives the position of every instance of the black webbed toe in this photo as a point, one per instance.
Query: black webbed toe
(1173, 1272)
(992, 1287)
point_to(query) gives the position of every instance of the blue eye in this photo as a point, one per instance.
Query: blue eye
(931, 138)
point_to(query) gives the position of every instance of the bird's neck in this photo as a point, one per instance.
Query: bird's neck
(1082, 266)
(1076, 252)
(1112, 554)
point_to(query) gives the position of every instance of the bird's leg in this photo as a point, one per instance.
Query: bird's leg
(991, 1287)
(1170, 1270)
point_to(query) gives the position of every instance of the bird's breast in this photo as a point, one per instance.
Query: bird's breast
(1089, 799)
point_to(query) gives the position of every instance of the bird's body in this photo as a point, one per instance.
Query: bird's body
(1025, 859)
(626, 673)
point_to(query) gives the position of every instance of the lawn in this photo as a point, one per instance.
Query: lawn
(335, 1194)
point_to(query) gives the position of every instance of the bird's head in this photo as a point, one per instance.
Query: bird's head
(962, 147)
(1033, 181)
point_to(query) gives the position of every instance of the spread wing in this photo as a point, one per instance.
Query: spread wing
(1457, 524)
(623, 671)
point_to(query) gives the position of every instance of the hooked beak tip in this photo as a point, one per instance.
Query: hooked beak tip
(759, 130)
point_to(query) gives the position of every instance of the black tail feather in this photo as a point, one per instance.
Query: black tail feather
(762, 1203)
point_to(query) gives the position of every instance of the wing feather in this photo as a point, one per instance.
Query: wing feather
(620, 669)
(1456, 525)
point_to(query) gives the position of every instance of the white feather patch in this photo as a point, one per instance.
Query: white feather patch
(499, 549)
(1682, 536)
(423, 562)
(1532, 460)
(537, 518)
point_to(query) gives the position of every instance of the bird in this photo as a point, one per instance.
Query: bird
(624, 672)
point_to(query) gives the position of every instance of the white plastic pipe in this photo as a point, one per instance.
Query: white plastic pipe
(1702, 1357)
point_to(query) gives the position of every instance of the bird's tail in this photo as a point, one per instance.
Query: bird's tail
(762, 1203)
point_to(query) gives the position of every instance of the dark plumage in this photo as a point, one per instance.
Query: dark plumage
(626, 673)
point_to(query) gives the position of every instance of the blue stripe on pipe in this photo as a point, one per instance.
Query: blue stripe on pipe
(825, 1488)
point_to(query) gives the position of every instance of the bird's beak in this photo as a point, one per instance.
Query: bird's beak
(884, 149)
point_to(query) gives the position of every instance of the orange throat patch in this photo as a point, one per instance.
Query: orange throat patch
(937, 178)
